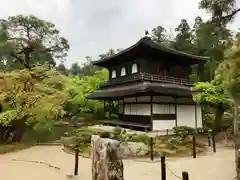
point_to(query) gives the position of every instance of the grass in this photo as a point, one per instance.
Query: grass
(6, 148)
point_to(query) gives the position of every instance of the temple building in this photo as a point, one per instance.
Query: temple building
(152, 87)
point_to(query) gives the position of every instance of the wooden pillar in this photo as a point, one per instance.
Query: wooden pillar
(151, 110)
(196, 116)
(104, 105)
(176, 123)
(123, 105)
(118, 106)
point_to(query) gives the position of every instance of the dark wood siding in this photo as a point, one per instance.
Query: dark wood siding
(162, 67)
(128, 66)
(145, 120)
(166, 67)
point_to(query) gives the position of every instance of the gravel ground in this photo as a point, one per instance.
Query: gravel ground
(51, 163)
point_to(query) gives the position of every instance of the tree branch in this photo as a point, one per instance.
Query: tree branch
(230, 16)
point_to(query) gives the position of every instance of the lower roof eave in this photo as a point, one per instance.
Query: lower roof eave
(141, 88)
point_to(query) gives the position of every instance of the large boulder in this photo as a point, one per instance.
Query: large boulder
(106, 159)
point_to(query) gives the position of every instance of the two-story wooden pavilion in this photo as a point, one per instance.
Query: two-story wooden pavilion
(152, 85)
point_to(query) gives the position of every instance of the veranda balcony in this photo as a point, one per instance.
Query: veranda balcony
(152, 78)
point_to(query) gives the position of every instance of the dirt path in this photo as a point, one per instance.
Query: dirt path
(22, 166)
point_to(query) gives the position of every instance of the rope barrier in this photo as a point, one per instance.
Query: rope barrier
(38, 162)
(173, 173)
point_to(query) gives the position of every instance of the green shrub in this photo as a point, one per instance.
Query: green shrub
(183, 131)
(84, 135)
(144, 138)
(104, 134)
(113, 116)
(100, 114)
(117, 131)
(202, 130)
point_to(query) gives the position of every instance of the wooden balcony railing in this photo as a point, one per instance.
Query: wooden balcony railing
(166, 79)
(152, 78)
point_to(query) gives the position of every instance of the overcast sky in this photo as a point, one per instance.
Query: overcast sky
(94, 26)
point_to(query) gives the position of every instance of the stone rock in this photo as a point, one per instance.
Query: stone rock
(72, 177)
(106, 159)
(133, 149)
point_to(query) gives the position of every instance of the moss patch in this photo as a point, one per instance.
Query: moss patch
(6, 148)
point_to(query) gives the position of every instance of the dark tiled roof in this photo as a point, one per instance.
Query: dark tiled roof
(147, 41)
(141, 87)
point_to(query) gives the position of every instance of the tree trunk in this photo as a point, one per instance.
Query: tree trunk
(218, 119)
(106, 159)
(17, 136)
(18, 131)
(1, 133)
(5, 134)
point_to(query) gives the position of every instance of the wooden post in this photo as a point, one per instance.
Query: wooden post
(151, 148)
(76, 160)
(185, 175)
(237, 139)
(194, 146)
(238, 164)
(209, 140)
(151, 111)
(163, 168)
(213, 142)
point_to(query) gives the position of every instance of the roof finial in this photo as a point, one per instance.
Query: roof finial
(146, 33)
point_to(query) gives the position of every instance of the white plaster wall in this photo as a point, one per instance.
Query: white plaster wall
(199, 116)
(127, 109)
(186, 115)
(159, 125)
(144, 109)
(137, 109)
(134, 109)
(120, 108)
(163, 109)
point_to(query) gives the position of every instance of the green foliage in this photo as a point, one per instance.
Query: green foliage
(117, 131)
(184, 131)
(40, 97)
(184, 38)
(62, 69)
(143, 137)
(210, 93)
(79, 88)
(24, 98)
(29, 41)
(215, 95)
(159, 34)
(7, 148)
(75, 69)
(222, 11)
(229, 71)
(208, 119)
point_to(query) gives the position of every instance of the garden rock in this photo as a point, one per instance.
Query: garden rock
(106, 159)
(132, 149)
